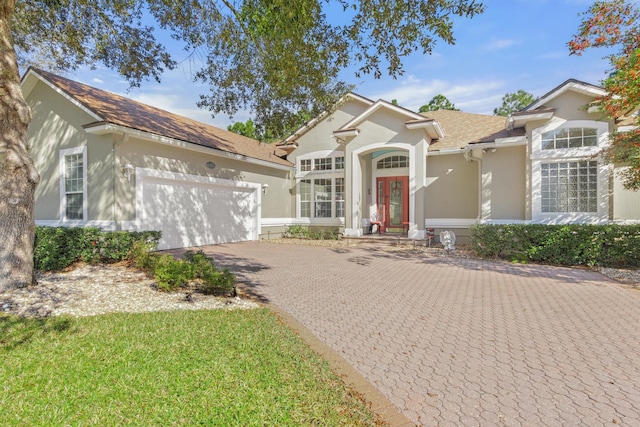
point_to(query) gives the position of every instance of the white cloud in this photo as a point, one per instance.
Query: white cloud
(97, 80)
(498, 44)
(477, 96)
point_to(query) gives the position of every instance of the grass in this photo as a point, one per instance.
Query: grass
(225, 368)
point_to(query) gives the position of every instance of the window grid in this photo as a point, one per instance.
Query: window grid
(393, 162)
(322, 164)
(339, 163)
(322, 196)
(305, 165)
(340, 197)
(74, 184)
(569, 186)
(305, 198)
(570, 138)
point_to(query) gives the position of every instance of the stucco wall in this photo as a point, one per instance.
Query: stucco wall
(56, 125)
(276, 202)
(504, 178)
(452, 187)
(626, 203)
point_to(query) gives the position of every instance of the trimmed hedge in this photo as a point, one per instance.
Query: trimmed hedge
(58, 247)
(573, 244)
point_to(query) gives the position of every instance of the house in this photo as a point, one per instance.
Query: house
(108, 161)
(448, 170)
(111, 162)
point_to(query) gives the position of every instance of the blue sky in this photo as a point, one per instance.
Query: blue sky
(515, 44)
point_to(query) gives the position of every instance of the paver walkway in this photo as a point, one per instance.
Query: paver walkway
(455, 341)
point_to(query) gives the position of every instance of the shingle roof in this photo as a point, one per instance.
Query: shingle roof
(462, 128)
(122, 111)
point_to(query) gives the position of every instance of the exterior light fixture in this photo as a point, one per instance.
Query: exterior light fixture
(265, 187)
(128, 170)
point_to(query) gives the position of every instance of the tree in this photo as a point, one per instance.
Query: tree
(438, 102)
(247, 129)
(512, 102)
(272, 57)
(616, 24)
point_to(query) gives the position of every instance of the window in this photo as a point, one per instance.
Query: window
(73, 179)
(304, 189)
(322, 194)
(305, 165)
(393, 162)
(322, 164)
(569, 186)
(339, 163)
(570, 138)
(340, 197)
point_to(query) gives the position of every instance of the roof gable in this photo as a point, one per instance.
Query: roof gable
(109, 108)
(569, 85)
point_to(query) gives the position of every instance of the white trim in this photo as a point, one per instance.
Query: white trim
(144, 174)
(449, 222)
(147, 136)
(430, 126)
(445, 152)
(584, 89)
(320, 154)
(504, 221)
(537, 153)
(306, 127)
(375, 107)
(71, 99)
(61, 172)
(104, 225)
(520, 120)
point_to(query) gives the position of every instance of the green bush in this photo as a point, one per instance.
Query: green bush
(575, 244)
(211, 280)
(171, 273)
(56, 248)
(304, 232)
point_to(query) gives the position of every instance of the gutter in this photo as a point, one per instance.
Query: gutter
(146, 136)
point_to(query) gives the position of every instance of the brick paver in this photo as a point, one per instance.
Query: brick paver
(462, 342)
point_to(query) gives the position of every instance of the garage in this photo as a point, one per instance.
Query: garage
(193, 210)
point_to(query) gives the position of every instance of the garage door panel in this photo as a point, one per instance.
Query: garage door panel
(196, 214)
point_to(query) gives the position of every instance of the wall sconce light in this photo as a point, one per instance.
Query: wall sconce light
(128, 170)
(369, 191)
(264, 188)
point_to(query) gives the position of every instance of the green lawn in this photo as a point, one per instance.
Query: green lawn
(176, 368)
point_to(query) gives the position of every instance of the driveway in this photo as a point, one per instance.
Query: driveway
(454, 341)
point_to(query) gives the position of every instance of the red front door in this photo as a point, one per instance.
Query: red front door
(393, 202)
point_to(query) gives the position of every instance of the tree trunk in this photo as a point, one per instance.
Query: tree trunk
(18, 176)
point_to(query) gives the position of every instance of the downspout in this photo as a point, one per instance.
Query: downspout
(468, 156)
(115, 206)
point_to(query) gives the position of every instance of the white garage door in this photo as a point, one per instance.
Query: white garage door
(193, 211)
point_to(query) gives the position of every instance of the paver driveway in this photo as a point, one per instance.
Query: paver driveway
(455, 341)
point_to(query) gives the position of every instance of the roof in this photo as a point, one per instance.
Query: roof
(122, 111)
(569, 84)
(462, 128)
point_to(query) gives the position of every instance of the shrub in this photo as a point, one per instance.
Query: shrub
(171, 273)
(304, 232)
(211, 280)
(56, 248)
(575, 244)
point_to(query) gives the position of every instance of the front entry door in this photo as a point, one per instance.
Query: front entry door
(393, 202)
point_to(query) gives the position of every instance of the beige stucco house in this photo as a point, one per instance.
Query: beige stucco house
(108, 161)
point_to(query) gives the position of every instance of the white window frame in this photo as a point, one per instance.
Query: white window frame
(567, 155)
(312, 175)
(323, 154)
(63, 199)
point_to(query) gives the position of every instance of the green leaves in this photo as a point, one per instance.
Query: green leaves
(438, 102)
(513, 102)
(615, 23)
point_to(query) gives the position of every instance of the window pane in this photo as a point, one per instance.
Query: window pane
(74, 206)
(304, 189)
(73, 186)
(322, 164)
(569, 187)
(339, 163)
(322, 195)
(340, 197)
